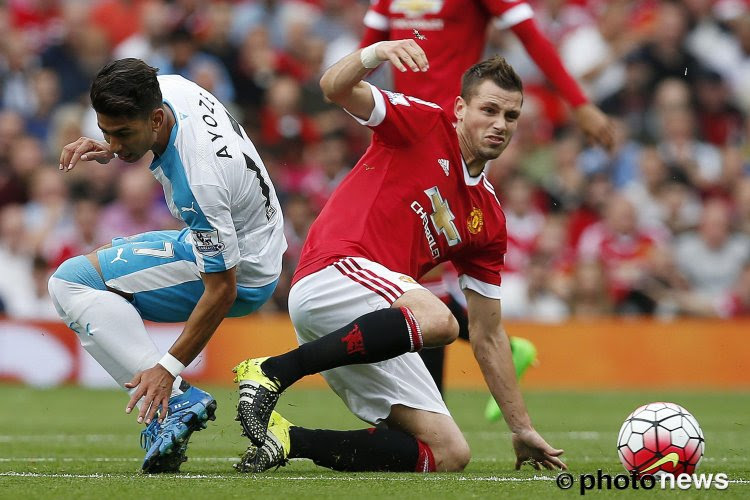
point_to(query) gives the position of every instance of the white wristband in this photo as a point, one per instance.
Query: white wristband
(369, 58)
(172, 364)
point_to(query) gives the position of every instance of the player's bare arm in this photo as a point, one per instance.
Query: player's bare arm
(85, 149)
(342, 83)
(492, 351)
(155, 384)
(595, 124)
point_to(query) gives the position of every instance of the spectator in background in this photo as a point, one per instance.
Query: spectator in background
(254, 71)
(621, 163)
(281, 118)
(565, 185)
(185, 58)
(524, 222)
(12, 187)
(16, 255)
(720, 122)
(631, 103)
(645, 191)
(623, 250)
(17, 66)
(45, 96)
(689, 157)
(34, 302)
(298, 217)
(665, 54)
(25, 159)
(593, 197)
(331, 164)
(136, 209)
(712, 257)
(148, 42)
(48, 211)
(590, 297)
(81, 51)
(593, 52)
(84, 237)
(681, 206)
(672, 94)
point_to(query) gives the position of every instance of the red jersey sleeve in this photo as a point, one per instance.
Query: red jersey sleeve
(547, 59)
(398, 120)
(377, 23)
(508, 13)
(481, 272)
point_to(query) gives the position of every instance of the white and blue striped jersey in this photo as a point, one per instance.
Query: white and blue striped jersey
(215, 181)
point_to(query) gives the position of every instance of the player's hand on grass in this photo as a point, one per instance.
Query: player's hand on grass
(596, 125)
(154, 386)
(85, 149)
(403, 53)
(531, 448)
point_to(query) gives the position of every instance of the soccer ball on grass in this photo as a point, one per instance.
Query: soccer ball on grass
(660, 438)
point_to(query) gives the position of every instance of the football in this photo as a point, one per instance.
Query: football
(660, 438)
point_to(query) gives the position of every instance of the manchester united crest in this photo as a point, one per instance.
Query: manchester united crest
(475, 221)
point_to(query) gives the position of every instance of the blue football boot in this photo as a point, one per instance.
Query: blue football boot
(166, 443)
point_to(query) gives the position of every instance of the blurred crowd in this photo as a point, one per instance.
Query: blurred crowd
(658, 226)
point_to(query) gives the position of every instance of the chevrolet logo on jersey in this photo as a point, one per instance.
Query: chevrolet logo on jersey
(442, 217)
(416, 8)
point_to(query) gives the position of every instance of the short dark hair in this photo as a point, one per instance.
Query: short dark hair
(127, 88)
(496, 69)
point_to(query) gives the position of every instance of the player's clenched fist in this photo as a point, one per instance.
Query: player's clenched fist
(85, 149)
(401, 53)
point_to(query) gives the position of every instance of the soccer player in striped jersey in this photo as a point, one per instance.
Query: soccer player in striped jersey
(226, 262)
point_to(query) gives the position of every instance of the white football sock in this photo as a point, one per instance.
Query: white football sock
(109, 328)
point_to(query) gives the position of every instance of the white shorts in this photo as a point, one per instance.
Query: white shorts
(334, 297)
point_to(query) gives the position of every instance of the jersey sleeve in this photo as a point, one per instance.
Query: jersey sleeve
(481, 272)
(545, 56)
(214, 238)
(508, 13)
(398, 119)
(377, 23)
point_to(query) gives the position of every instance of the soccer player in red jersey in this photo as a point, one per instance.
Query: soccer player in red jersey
(418, 197)
(453, 35)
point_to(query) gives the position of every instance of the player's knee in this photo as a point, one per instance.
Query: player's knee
(453, 456)
(76, 272)
(444, 328)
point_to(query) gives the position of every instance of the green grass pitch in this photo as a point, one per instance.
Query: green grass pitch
(72, 443)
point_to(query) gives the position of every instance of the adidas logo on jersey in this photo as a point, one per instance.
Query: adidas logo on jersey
(445, 164)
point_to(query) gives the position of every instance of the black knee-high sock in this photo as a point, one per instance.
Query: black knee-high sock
(373, 337)
(374, 450)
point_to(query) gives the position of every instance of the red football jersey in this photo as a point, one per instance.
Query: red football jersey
(454, 34)
(409, 203)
